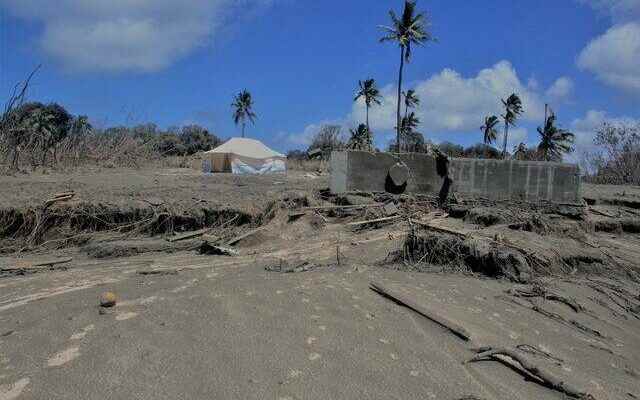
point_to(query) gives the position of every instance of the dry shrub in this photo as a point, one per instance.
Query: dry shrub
(307, 165)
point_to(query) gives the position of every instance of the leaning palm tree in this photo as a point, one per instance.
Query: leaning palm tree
(513, 108)
(411, 100)
(489, 129)
(554, 141)
(243, 109)
(410, 29)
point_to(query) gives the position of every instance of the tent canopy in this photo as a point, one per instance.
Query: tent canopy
(243, 156)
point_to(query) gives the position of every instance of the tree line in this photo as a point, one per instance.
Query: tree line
(44, 135)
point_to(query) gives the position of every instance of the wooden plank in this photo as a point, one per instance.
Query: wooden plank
(438, 319)
(53, 261)
(341, 207)
(188, 235)
(373, 221)
(441, 229)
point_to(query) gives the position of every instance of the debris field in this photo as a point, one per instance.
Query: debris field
(170, 284)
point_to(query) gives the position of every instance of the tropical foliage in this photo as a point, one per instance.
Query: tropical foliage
(554, 141)
(512, 110)
(360, 139)
(411, 28)
(489, 129)
(243, 109)
(411, 139)
(371, 95)
(411, 100)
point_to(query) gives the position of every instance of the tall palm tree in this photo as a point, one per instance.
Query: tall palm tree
(243, 109)
(411, 100)
(554, 141)
(489, 129)
(513, 109)
(371, 95)
(409, 29)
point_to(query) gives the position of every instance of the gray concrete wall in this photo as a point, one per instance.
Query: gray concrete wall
(493, 179)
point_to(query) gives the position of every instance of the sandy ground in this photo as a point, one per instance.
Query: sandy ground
(220, 327)
(224, 327)
(180, 186)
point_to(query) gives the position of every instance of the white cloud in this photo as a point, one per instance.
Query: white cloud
(115, 35)
(561, 89)
(619, 10)
(615, 56)
(450, 102)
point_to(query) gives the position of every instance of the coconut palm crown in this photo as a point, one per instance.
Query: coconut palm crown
(489, 129)
(554, 141)
(513, 109)
(369, 92)
(243, 109)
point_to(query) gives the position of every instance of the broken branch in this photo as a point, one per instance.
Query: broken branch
(547, 379)
(454, 328)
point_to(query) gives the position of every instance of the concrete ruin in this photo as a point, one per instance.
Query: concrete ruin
(531, 181)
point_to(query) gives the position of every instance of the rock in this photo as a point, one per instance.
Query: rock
(569, 211)
(108, 299)
(399, 174)
(356, 200)
(210, 249)
(458, 211)
(390, 209)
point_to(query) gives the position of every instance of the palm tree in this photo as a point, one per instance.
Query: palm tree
(371, 95)
(554, 141)
(243, 109)
(513, 108)
(489, 129)
(408, 128)
(520, 151)
(409, 29)
(360, 138)
(411, 100)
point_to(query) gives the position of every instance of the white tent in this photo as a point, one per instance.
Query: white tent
(243, 156)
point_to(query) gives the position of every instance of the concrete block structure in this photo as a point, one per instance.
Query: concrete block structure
(531, 181)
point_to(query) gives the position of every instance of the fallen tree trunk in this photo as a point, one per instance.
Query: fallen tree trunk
(454, 328)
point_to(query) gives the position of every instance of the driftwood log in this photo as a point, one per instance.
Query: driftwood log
(454, 328)
(545, 377)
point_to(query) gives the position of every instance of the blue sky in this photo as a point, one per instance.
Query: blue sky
(175, 62)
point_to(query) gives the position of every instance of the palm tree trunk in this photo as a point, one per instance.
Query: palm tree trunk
(367, 105)
(506, 135)
(399, 97)
(243, 123)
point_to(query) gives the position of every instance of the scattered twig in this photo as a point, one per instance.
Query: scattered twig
(569, 322)
(538, 291)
